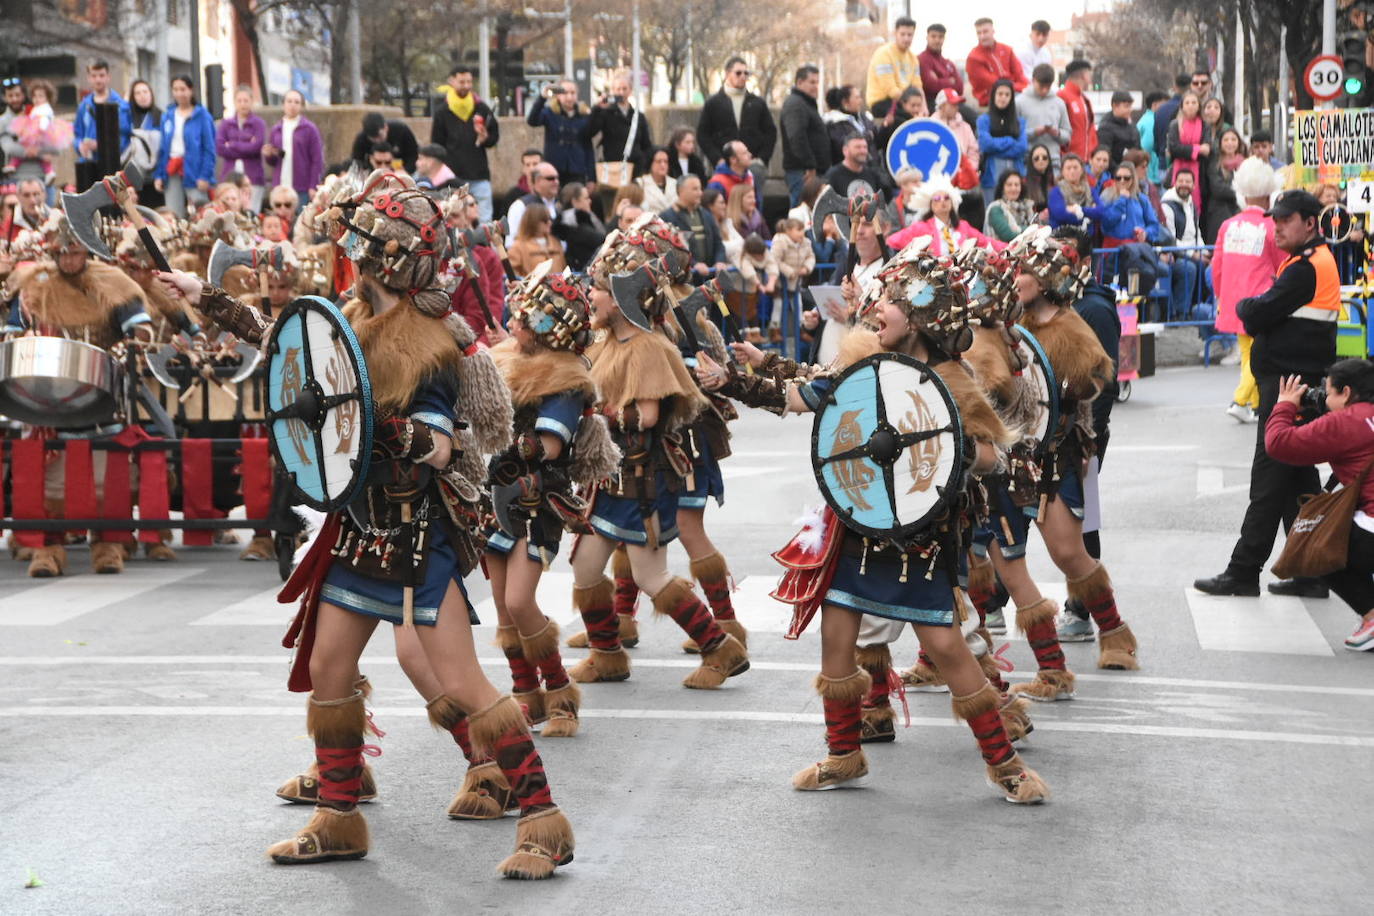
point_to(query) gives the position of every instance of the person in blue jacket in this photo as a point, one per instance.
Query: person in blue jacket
(567, 133)
(83, 131)
(186, 160)
(1130, 225)
(1001, 138)
(1074, 201)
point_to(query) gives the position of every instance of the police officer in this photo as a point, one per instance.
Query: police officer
(1294, 327)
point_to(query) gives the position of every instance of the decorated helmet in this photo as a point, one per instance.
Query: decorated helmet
(988, 275)
(555, 307)
(395, 233)
(1056, 262)
(931, 291)
(58, 235)
(649, 238)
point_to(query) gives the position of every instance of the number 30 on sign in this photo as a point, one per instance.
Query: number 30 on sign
(1324, 77)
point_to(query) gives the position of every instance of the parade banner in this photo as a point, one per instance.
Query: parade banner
(1331, 146)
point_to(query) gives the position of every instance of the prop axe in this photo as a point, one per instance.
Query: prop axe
(467, 263)
(492, 234)
(224, 256)
(828, 204)
(629, 290)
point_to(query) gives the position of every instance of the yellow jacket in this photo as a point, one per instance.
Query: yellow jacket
(890, 72)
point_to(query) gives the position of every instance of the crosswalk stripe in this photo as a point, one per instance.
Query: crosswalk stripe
(63, 599)
(261, 609)
(1269, 623)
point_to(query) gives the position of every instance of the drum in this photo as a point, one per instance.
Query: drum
(52, 381)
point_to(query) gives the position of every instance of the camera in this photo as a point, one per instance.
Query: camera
(1314, 399)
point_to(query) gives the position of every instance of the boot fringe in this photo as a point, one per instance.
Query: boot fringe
(975, 704)
(629, 631)
(1117, 650)
(46, 562)
(1018, 783)
(671, 595)
(533, 703)
(924, 678)
(1015, 715)
(602, 665)
(484, 795)
(599, 595)
(879, 656)
(543, 841)
(107, 557)
(331, 834)
(542, 644)
(487, 726)
(507, 638)
(847, 689)
(336, 723)
(620, 564)
(562, 705)
(709, 569)
(580, 641)
(1041, 611)
(726, 660)
(982, 578)
(444, 712)
(1090, 586)
(735, 629)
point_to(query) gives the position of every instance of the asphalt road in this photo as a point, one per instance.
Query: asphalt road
(145, 725)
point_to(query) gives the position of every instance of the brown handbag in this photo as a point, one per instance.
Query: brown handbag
(1319, 541)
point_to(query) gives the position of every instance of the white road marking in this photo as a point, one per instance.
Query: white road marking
(261, 609)
(377, 659)
(1211, 481)
(60, 600)
(1153, 448)
(416, 711)
(1269, 623)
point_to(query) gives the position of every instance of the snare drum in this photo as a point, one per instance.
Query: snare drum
(53, 381)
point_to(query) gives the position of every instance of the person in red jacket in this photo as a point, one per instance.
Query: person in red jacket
(1343, 437)
(989, 62)
(937, 71)
(1078, 77)
(463, 213)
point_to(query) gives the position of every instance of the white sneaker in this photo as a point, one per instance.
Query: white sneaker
(1231, 359)
(1240, 413)
(1251, 416)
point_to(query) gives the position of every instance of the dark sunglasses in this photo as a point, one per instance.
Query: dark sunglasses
(1126, 179)
(742, 73)
(1201, 82)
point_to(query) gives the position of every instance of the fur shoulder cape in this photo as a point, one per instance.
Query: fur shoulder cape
(979, 419)
(403, 347)
(85, 300)
(645, 367)
(1080, 364)
(533, 376)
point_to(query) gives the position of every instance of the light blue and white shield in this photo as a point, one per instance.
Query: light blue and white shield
(887, 447)
(319, 403)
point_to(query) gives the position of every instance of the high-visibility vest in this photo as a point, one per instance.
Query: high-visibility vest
(1326, 302)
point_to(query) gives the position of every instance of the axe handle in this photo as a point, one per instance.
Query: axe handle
(482, 300)
(154, 252)
(687, 330)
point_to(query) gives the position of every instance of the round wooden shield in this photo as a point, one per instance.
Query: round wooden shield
(1039, 374)
(319, 403)
(887, 447)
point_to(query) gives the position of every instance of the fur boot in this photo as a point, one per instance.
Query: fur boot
(626, 597)
(1018, 783)
(305, 788)
(260, 548)
(543, 838)
(485, 794)
(714, 577)
(107, 558)
(1116, 650)
(161, 552)
(607, 661)
(47, 561)
(923, 677)
(1048, 685)
(724, 656)
(17, 550)
(879, 720)
(524, 676)
(879, 725)
(1015, 716)
(842, 699)
(337, 830)
(561, 697)
(1054, 681)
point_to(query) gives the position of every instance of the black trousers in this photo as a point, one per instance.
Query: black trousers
(1355, 583)
(1275, 488)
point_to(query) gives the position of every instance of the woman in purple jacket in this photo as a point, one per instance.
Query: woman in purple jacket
(295, 148)
(239, 140)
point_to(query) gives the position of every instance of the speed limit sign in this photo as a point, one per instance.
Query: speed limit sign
(1324, 77)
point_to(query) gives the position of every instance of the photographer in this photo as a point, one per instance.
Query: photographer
(1344, 437)
(1294, 329)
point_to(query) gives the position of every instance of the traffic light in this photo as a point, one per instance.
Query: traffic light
(1350, 44)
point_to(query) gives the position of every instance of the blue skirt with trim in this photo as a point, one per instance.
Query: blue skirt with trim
(878, 589)
(621, 519)
(385, 599)
(707, 481)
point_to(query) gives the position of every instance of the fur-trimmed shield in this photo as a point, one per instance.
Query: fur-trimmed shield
(319, 403)
(887, 447)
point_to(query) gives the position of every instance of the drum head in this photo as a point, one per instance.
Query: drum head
(1039, 374)
(65, 384)
(319, 403)
(887, 447)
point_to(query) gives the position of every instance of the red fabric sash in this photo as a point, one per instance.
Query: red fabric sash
(257, 478)
(305, 584)
(78, 495)
(26, 470)
(808, 574)
(154, 502)
(197, 489)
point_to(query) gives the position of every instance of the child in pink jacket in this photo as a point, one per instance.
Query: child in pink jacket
(1243, 265)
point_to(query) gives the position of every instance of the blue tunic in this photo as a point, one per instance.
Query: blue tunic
(620, 518)
(707, 481)
(344, 586)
